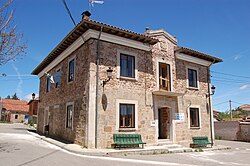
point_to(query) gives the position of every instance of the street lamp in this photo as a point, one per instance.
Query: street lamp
(33, 96)
(109, 75)
(213, 89)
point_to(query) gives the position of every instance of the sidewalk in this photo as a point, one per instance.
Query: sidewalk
(148, 150)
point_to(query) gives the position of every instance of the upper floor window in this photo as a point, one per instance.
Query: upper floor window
(192, 78)
(194, 117)
(164, 76)
(57, 78)
(127, 115)
(71, 70)
(48, 84)
(127, 65)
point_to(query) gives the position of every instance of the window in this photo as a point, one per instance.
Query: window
(192, 78)
(69, 119)
(57, 78)
(127, 64)
(71, 70)
(16, 116)
(127, 116)
(164, 76)
(194, 117)
(48, 85)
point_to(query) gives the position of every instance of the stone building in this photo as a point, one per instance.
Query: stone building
(158, 89)
(13, 111)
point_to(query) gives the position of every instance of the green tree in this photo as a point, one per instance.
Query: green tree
(14, 97)
(8, 97)
(11, 41)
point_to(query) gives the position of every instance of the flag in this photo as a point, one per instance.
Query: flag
(94, 1)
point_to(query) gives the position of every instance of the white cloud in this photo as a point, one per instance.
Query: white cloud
(244, 87)
(19, 90)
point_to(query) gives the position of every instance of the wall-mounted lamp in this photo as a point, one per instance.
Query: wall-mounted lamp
(213, 89)
(33, 96)
(109, 75)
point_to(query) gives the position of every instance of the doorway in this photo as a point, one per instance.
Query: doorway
(164, 123)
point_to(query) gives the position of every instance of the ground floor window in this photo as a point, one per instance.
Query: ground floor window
(194, 117)
(16, 116)
(127, 115)
(69, 120)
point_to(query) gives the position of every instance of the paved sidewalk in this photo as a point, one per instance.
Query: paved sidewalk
(148, 150)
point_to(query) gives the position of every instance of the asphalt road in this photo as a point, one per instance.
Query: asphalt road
(19, 148)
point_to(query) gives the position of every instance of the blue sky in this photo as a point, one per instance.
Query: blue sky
(216, 27)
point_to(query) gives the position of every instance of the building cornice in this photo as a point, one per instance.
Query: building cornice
(93, 34)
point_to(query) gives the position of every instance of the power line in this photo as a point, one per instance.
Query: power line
(230, 74)
(220, 103)
(69, 13)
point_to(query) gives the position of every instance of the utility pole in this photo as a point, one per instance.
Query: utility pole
(230, 106)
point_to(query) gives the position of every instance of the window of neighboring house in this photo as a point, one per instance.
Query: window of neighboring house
(16, 116)
(48, 85)
(194, 117)
(127, 116)
(192, 78)
(69, 120)
(57, 78)
(164, 76)
(71, 70)
(127, 65)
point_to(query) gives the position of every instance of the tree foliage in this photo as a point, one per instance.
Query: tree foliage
(11, 41)
(14, 97)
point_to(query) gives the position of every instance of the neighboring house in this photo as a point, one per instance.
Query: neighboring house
(246, 107)
(158, 89)
(33, 108)
(14, 111)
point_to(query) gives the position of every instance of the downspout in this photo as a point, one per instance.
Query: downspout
(97, 85)
(209, 103)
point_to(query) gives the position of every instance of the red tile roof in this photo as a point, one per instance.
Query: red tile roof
(245, 106)
(15, 105)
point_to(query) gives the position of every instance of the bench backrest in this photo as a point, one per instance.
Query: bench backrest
(127, 138)
(200, 139)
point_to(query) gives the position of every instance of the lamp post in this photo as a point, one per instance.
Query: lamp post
(33, 96)
(211, 91)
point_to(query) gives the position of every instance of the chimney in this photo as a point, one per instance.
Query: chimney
(85, 15)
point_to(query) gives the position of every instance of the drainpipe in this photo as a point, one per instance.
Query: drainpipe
(209, 103)
(97, 85)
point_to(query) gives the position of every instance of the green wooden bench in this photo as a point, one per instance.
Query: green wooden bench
(127, 140)
(200, 142)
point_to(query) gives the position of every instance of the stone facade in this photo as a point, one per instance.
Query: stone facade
(142, 91)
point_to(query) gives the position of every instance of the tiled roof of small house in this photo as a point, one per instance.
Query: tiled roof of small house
(80, 29)
(15, 105)
(245, 106)
(197, 54)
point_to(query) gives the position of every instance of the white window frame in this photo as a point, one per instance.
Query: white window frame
(198, 82)
(66, 118)
(119, 52)
(162, 60)
(46, 121)
(198, 107)
(70, 59)
(121, 101)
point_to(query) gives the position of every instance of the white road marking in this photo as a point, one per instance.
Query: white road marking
(128, 160)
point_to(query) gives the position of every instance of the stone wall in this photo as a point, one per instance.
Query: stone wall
(57, 99)
(226, 130)
(244, 132)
